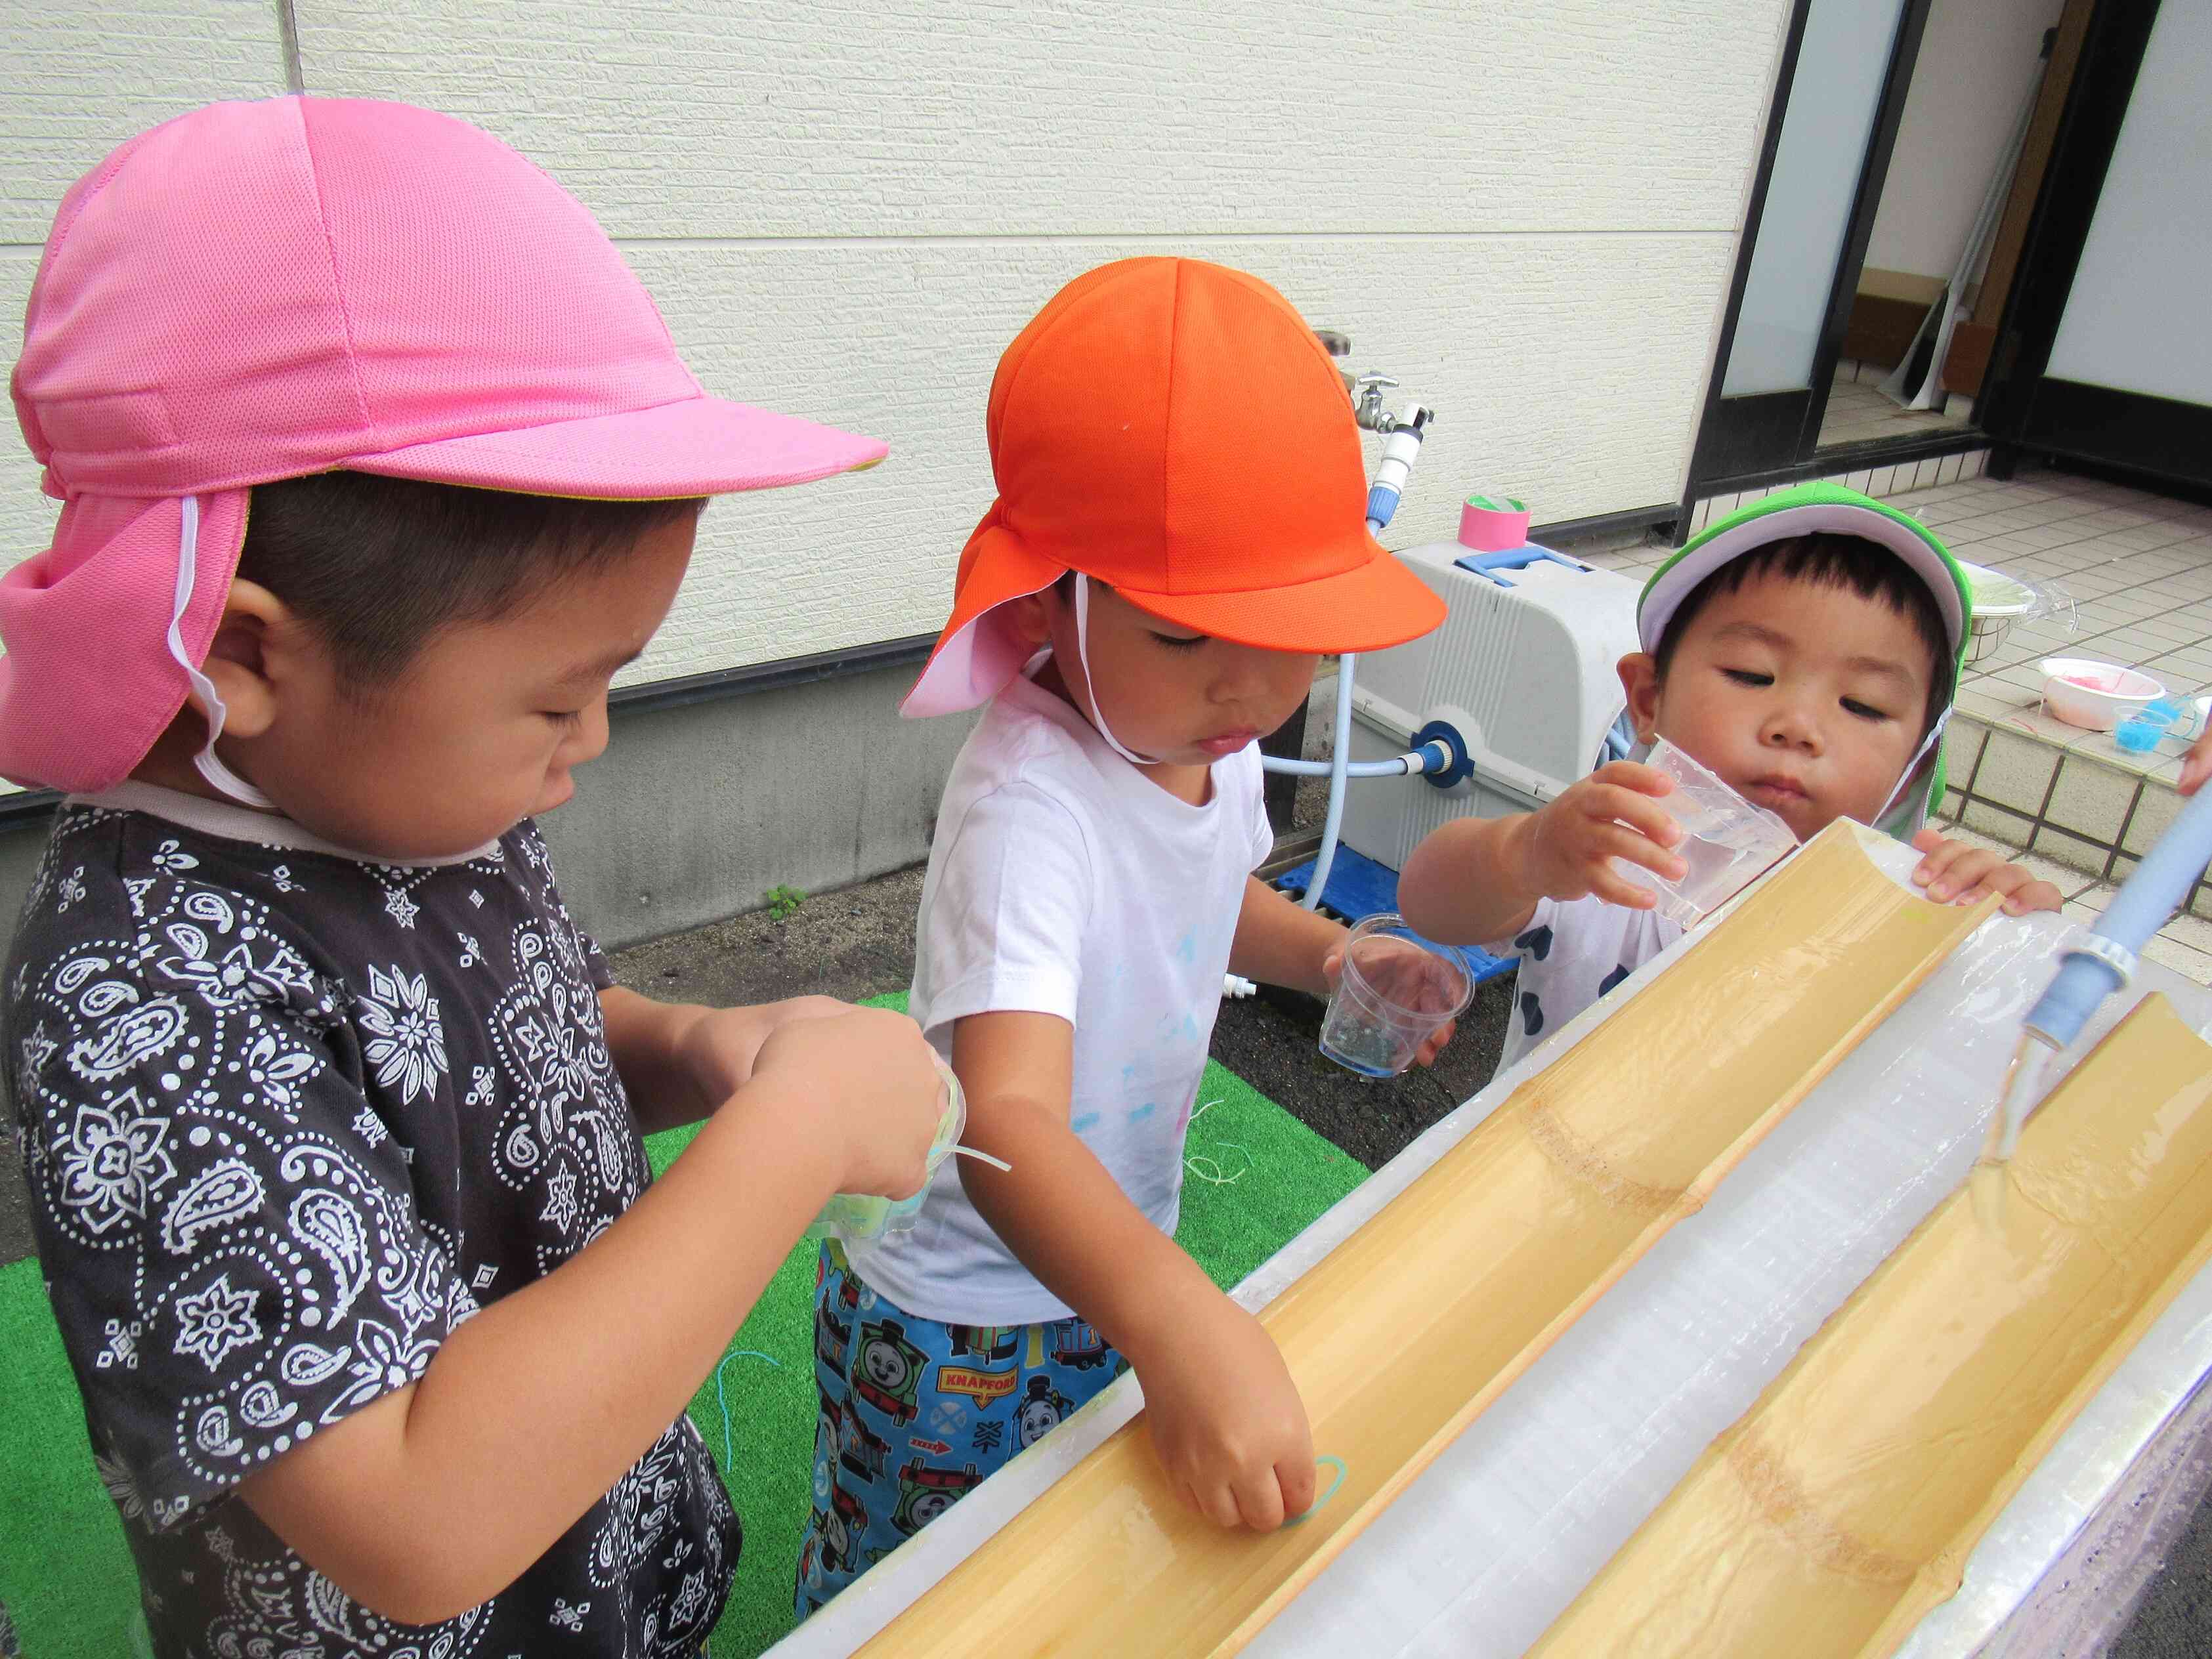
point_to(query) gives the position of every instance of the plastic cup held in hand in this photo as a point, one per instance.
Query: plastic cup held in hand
(1396, 990)
(1726, 842)
(857, 1216)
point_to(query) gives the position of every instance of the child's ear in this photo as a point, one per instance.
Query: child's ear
(1031, 617)
(252, 658)
(1639, 678)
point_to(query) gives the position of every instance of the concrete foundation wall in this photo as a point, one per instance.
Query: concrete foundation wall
(21, 843)
(695, 812)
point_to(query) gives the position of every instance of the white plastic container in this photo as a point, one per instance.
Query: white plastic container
(2001, 600)
(2095, 696)
(1524, 668)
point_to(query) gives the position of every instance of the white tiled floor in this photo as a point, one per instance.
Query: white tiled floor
(1857, 411)
(1883, 482)
(2138, 568)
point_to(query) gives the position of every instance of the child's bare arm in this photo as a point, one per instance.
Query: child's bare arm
(1477, 879)
(1225, 1416)
(1278, 942)
(679, 1060)
(441, 1494)
(1467, 882)
(2196, 764)
(1957, 871)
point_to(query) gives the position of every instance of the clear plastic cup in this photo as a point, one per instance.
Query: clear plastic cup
(857, 1218)
(1396, 990)
(2183, 718)
(2139, 733)
(1728, 842)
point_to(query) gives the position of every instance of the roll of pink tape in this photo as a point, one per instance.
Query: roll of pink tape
(1493, 524)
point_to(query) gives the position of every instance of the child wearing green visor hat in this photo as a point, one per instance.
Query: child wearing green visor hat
(1808, 650)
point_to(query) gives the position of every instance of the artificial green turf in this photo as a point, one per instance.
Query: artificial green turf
(66, 1575)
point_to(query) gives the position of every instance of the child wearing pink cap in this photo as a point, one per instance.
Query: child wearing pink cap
(376, 463)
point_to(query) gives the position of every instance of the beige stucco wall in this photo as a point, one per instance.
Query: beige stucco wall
(1527, 212)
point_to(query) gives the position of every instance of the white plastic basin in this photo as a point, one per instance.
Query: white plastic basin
(2095, 696)
(1999, 601)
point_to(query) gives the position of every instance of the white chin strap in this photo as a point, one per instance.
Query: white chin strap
(1083, 667)
(219, 776)
(1913, 766)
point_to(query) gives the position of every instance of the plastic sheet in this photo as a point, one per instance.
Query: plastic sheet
(2062, 1576)
(1832, 1516)
(1481, 1553)
(2003, 601)
(1425, 1317)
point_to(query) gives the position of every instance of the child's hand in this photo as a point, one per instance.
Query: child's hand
(1613, 813)
(2196, 764)
(871, 1083)
(1956, 871)
(1226, 1420)
(721, 1047)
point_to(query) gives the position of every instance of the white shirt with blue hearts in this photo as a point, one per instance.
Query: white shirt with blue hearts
(1571, 954)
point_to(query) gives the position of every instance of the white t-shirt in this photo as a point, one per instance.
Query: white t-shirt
(1572, 954)
(1062, 881)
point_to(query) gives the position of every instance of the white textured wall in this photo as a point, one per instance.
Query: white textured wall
(1527, 213)
(76, 78)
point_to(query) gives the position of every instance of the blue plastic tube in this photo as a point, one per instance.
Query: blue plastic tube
(2156, 889)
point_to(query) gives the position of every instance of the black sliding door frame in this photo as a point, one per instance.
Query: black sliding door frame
(1766, 432)
(2025, 410)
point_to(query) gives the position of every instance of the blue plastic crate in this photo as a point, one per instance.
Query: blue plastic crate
(1359, 888)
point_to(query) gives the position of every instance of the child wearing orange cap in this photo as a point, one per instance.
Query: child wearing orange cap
(1178, 534)
(377, 463)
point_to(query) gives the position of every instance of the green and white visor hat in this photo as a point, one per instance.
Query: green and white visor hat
(1804, 510)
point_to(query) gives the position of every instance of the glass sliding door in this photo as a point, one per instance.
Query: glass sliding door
(1844, 85)
(2105, 356)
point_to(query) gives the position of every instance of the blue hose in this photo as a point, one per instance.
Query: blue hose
(2156, 889)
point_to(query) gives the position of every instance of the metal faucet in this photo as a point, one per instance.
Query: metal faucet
(1366, 391)
(1368, 410)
